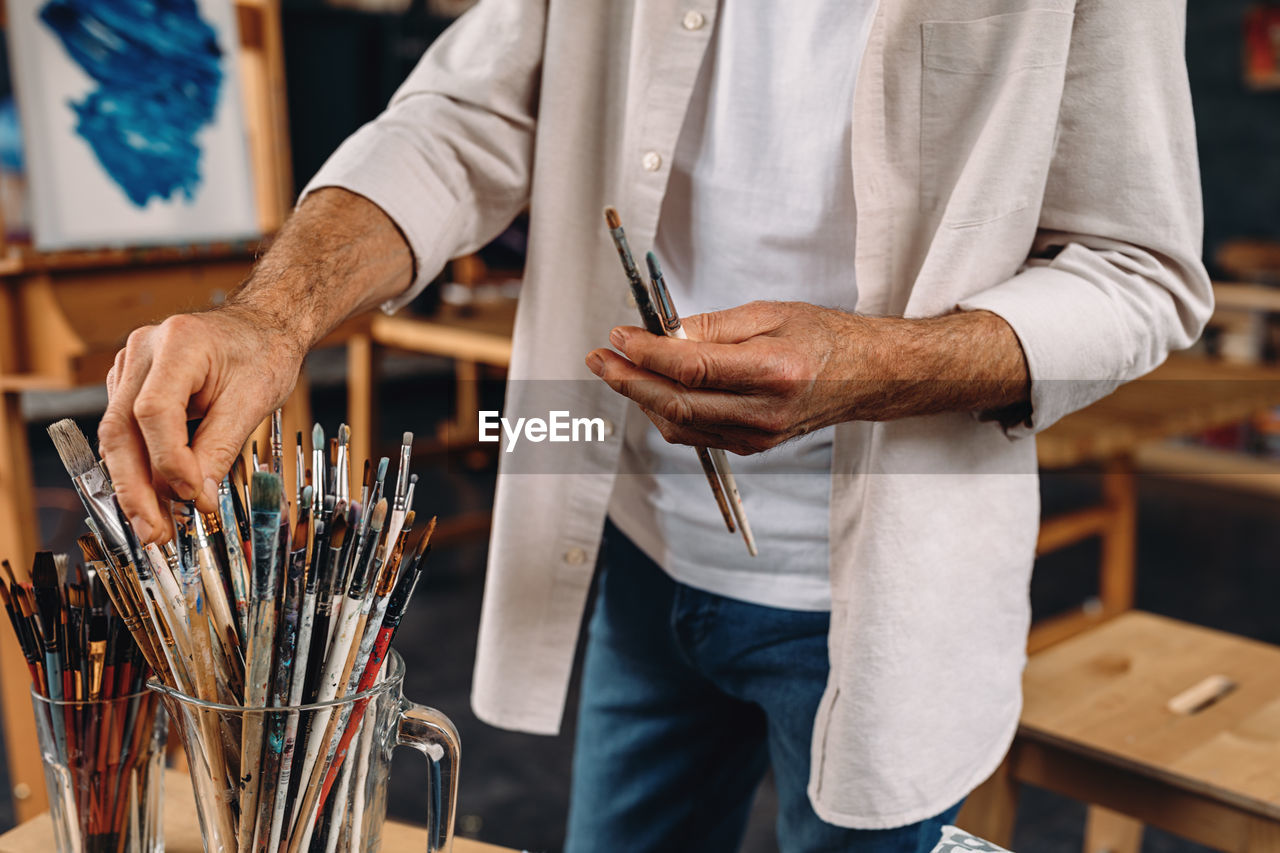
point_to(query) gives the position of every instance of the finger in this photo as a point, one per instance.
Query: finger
(694, 364)
(735, 325)
(123, 449)
(177, 373)
(219, 439)
(742, 441)
(669, 399)
(114, 373)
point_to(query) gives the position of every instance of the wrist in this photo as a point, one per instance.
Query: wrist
(964, 361)
(289, 333)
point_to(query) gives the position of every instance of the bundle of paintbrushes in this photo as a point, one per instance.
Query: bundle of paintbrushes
(271, 602)
(100, 729)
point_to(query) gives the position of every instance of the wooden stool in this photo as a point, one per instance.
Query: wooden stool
(1150, 721)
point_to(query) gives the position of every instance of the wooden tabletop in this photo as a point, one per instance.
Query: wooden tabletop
(1183, 397)
(1126, 693)
(182, 829)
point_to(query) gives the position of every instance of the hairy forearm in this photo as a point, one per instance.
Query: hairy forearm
(337, 256)
(966, 361)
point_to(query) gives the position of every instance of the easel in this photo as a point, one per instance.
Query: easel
(66, 314)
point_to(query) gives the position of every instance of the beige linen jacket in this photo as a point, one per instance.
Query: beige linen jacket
(1035, 158)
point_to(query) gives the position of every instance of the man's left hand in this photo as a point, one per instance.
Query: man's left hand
(754, 376)
(748, 379)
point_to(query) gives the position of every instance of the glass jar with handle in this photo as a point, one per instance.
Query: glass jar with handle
(319, 781)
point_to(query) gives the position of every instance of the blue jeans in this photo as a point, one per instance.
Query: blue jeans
(687, 698)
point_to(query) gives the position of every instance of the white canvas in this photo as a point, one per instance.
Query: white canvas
(77, 200)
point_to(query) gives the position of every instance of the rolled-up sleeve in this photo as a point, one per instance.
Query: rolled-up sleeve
(449, 160)
(1115, 280)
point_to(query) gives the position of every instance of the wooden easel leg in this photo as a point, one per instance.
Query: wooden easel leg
(360, 400)
(18, 539)
(991, 811)
(1106, 831)
(463, 429)
(1119, 541)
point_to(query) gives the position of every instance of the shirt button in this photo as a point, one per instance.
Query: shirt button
(693, 20)
(631, 301)
(608, 427)
(652, 161)
(575, 556)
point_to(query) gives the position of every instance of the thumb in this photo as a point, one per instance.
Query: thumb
(735, 325)
(218, 442)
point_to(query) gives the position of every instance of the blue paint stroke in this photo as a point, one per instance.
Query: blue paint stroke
(157, 64)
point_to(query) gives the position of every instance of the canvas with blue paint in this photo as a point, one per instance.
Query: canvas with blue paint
(134, 108)
(158, 69)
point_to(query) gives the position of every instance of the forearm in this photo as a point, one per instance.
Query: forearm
(965, 361)
(337, 256)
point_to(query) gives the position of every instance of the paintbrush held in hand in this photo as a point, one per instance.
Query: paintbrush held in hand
(90, 679)
(268, 603)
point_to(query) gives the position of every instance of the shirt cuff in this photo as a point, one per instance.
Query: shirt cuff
(1071, 337)
(382, 164)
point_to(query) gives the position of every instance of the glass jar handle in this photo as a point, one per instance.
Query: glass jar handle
(431, 733)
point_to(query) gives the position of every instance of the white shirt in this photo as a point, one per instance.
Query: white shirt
(759, 206)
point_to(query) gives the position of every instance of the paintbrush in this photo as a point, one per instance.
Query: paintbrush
(265, 502)
(328, 554)
(342, 473)
(237, 566)
(335, 663)
(638, 291)
(205, 676)
(277, 443)
(91, 484)
(299, 469)
(268, 831)
(318, 466)
(44, 580)
(388, 622)
(672, 327)
(653, 324)
(302, 648)
(399, 504)
(30, 651)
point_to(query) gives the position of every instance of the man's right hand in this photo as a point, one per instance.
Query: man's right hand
(226, 366)
(338, 255)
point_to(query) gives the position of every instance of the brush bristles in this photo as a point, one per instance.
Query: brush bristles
(265, 492)
(90, 549)
(407, 439)
(611, 218)
(379, 515)
(44, 570)
(344, 434)
(317, 437)
(73, 448)
(338, 532)
(382, 468)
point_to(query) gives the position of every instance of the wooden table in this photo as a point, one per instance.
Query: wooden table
(1184, 397)
(182, 829)
(1169, 724)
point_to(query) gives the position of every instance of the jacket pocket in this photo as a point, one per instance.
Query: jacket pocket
(990, 93)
